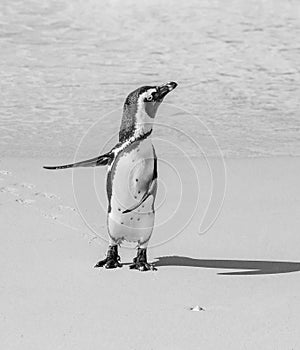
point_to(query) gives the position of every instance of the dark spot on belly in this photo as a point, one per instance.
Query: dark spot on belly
(135, 197)
(119, 209)
(142, 206)
(136, 180)
(131, 218)
(139, 191)
(138, 219)
(122, 223)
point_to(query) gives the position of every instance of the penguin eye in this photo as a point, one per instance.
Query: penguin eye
(149, 98)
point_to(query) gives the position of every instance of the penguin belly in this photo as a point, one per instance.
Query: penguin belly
(130, 176)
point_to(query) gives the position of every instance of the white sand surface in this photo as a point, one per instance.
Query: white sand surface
(242, 275)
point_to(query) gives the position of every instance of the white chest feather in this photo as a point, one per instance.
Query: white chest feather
(143, 121)
(131, 175)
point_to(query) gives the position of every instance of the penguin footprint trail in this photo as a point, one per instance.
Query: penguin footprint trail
(48, 205)
(132, 165)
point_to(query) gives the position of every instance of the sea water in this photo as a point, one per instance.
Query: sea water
(67, 66)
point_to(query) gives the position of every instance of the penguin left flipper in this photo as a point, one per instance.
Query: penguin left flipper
(100, 160)
(150, 192)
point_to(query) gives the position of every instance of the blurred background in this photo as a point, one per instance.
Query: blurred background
(65, 65)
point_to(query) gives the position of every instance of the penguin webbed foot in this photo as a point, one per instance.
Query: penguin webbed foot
(140, 262)
(108, 263)
(142, 266)
(112, 259)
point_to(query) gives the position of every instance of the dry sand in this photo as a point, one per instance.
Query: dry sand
(241, 277)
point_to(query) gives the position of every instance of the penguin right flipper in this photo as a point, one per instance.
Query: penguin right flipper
(150, 192)
(100, 160)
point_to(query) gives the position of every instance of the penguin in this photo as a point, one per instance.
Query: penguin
(131, 182)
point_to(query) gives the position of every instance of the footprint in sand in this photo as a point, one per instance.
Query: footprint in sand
(26, 185)
(65, 207)
(63, 214)
(49, 216)
(47, 195)
(11, 190)
(25, 201)
(5, 172)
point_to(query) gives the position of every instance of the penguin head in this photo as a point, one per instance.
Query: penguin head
(154, 96)
(150, 97)
(140, 108)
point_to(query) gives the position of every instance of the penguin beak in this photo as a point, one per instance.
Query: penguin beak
(164, 89)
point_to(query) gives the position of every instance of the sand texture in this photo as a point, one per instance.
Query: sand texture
(235, 287)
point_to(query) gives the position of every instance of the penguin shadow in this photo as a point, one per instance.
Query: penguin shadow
(251, 267)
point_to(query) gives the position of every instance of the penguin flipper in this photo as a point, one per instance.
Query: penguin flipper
(100, 160)
(151, 191)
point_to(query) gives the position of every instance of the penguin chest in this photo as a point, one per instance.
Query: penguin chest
(131, 175)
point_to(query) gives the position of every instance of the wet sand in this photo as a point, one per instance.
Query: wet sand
(241, 277)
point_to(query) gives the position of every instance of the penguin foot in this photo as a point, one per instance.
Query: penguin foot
(140, 262)
(108, 263)
(112, 259)
(142, 266)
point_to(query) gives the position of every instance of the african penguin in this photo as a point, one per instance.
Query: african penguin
(131, 182)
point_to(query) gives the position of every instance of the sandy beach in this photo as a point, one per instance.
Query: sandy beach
(66, 68)
(241, 277)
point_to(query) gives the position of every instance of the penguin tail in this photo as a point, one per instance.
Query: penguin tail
(97, 161)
